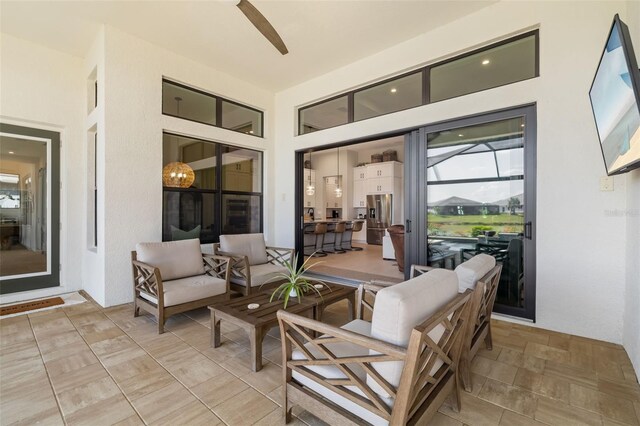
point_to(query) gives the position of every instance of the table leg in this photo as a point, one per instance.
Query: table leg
(215, 330)
(256, 335)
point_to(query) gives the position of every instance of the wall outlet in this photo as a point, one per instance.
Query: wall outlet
(606, 183)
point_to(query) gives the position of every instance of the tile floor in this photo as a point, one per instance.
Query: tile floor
(88, 365)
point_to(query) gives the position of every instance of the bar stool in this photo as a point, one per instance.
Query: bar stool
(339, 233)
(329, 243)
(318, 230)
(347, 237)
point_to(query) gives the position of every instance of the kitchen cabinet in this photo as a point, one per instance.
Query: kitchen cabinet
(309, 179)
(330, 199)
(386, 169)
(238, 176)
(384, 185)
(360, 186)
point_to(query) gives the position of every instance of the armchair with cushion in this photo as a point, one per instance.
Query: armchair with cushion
(481, 275)
(252, 262)
(175, 276)
(396, 369)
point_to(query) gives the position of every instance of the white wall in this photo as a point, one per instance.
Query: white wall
(133, 125)
(631, 338)
(44, 88)
(580, 249)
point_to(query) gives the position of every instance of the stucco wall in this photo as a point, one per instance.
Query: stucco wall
(580, 248)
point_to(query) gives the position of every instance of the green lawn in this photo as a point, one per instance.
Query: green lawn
(461, 226)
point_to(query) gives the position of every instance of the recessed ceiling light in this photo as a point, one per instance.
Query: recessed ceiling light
(522, 125)
(486, 62)
(460, 135)
(394, 90)
(11, 152)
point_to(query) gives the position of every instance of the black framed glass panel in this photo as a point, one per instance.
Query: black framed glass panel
(327, 114)
(241, 170)
(396, 95)
(241, 214)
(187, 103)
(241, 119)
(199, 155)
(187, 215)
(504, 64)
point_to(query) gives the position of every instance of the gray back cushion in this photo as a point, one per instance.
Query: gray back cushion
(398, 309)
(250, 245)
(472, 270)
(175, 259)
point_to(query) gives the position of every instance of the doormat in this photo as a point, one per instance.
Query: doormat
(30, 306)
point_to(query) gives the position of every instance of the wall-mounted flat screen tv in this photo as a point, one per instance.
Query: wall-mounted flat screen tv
(615, 100)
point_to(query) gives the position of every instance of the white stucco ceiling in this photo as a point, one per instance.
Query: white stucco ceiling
(321, 35)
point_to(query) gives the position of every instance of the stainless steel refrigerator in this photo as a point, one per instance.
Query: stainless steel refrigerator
(379, 216)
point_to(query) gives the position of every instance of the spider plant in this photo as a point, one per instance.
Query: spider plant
(296, 284)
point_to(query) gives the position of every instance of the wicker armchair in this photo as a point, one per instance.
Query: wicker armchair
(174, 277)
(396, 369)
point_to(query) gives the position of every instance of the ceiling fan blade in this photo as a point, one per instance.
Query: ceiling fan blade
(260, 22)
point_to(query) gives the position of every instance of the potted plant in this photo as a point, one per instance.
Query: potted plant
(296, 284)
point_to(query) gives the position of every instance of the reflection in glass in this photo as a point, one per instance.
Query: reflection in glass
(240, 214)
(187, 103)
(475, 199)
(504, 64)
(396, 95)
(322, 116)
(198, 154)
(23, 206)
(241, 170)
(241, 119)
(188, 215)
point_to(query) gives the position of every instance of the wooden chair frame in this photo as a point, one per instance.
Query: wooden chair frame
(418, 395)
(481, 306)
(241, 269)
(147, 279)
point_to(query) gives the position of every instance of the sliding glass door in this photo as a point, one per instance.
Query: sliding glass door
(473, 187)
(29, 208)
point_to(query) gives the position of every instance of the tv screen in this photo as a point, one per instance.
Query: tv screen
(615, 100)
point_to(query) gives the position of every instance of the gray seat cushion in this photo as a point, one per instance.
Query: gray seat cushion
(329, 371)
(175, 259)
(260, 274)
(250, 245)
(184, 290)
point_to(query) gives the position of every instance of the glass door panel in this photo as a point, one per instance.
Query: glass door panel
(477, 195)
(29, 254)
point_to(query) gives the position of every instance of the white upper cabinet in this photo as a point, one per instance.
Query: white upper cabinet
(386, 169)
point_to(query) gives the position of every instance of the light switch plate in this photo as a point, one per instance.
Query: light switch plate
(606, 183)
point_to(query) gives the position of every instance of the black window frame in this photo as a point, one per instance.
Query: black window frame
(217, 192)
(426, 81)
(218, 103)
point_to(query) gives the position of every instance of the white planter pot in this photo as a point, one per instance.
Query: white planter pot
(293, 293)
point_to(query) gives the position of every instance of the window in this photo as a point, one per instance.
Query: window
(395, 95)
(327, 114)
(196, 105)
(225, 196)
(241, 119)
(502, 63)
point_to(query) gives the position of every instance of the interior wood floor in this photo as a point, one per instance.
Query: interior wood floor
(86, 365)
(18, 260)
(364, 265)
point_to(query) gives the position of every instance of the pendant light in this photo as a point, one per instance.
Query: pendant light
(338, 189)
(310, 188)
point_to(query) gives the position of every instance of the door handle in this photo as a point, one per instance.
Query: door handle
(407, 228)
(302, 223)
(527, 230)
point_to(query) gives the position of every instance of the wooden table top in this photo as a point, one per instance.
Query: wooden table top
(266, 313)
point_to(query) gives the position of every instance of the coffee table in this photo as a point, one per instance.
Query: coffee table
(257, 322)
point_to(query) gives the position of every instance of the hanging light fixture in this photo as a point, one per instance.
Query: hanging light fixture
(310, 188)
(177, 175)
(338, 189)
